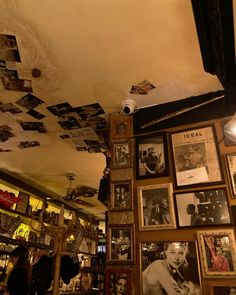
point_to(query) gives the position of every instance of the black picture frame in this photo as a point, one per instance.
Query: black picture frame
(202, 208)
(152, 156)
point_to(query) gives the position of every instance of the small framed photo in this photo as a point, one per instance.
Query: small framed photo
(228, 126)
(121, 217)
(196, 157)
(222, 287)
(121, 195)
(118, 281)
(155, 207)
(122, 155)
(120, 126)
(217, 253)
(202, 208)
(152, 156)
(23, 203)
(231, 165)
(163, 273)
(121, 244)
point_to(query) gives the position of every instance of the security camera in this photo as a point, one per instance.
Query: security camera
(129, 106)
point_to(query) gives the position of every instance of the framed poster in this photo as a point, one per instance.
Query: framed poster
(121, 195)
(121, 244)
(222, 287)
(169, 267)
(196, 157)
(202, 208)
(118, 281)
(152, 156)
(231, 166)
(217, 252)
(122, 155)
(155, 207)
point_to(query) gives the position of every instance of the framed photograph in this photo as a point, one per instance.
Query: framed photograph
(223, 287)
(120, 126)
(169, 267)
(121, 217)
(202, 208)
(121, 244)
(231, 166)
(121, 174)
(196, 157)
(121, 195)
(217, 252)
(118, 281)
(22, 204)
(122, 155)
(155, 207)
(152, 156)
(228, 131)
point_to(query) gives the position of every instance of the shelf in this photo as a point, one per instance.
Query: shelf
(7, 240)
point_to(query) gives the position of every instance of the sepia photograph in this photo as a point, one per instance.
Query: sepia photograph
(170, 267)
(120, 126)
(118, 281)
(231, 166)
(121, 195)
(155, 207)
(121, 155)
(202, 208)
(151, 156)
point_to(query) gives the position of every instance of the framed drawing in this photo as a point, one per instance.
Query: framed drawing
(202, 208)
(121, 244)
(217, 252)
(121, 195)
(222, 287)
(231, 165)
(155, 207)
(228, 127)
(120, 126)
(196, 157)
(163, 273)
(118, 281)
(122, 155)
(152, 156)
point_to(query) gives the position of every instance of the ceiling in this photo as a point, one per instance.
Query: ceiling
(91, 52)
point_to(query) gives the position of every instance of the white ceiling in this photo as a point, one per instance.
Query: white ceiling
(94, 51)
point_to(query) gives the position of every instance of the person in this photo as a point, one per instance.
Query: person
(156, 214)
(166, 276)
(196, 219)
(151, 162)
(122, 246)
(20, 276)
(119, 284)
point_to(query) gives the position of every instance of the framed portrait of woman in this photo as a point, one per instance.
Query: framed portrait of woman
(162, 273)
(118, 281)
(217, 253)
(121, 195)
(196, 158)
(152, 156)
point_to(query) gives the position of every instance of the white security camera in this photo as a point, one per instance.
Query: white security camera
(129, 106)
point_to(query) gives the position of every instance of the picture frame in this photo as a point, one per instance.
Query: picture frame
(231, 166)
(23, 203)
(152, 156)
(122, 155)
(228, 131)
(121, 244)
(120, 126)
(217, 253)
(155, 207)
(121, 217)
(160, 271)
(117, 281)
(195, 156)
(222, 287)
(121, 195)
(199, 208)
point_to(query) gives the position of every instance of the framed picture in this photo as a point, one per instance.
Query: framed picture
(228, 127)
(169, 267)
(223, 287)
(217, 252)
(118, 281)
(121, 195)
(152, 156)
(120, 126)
(196, 157)
(121, 174)
(122, 155)
(155, 207)
(231, 165)
(121, 244)
(22, 204)
(121, 217)
(202, 208)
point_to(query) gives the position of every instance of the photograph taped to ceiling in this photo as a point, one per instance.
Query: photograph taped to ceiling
(89, 111)
(35, 114)
(33, 126)
(29, 101)
(8, 48)
(60, 109)
(16, 84)
(9, 107)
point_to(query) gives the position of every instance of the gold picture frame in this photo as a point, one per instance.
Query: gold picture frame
(122, 154)
(121, 197)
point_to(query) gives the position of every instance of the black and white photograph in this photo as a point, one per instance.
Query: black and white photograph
(121, 155)
(170, 267)
(28, 144)
(121, 195)
(196, 157)
(217, 252)
(228, 127)
(29, 101)
(155, 207)
(33, 126)
(60, 109)
(231, 165)
(121, 247)
(10, 107)
(89, 111)
(35, 114)
(70, 123)
(15, 84)
(5, 133)
(202, 208)
(118, 281)
(8, 48)
(151, 156)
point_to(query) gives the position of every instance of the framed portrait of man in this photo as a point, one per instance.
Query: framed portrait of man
(162, 273)
(152, 156)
